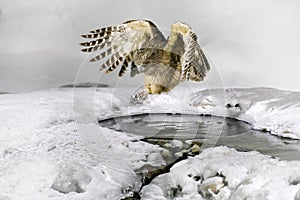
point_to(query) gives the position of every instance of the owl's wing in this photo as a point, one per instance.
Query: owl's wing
(194, 62)
(119, 42)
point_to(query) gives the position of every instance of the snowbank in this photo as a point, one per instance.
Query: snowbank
(223, 173)
(45, 154)
(267, 109)
(51, 146)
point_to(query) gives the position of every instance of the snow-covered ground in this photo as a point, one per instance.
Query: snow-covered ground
(52, 148)
(223, 173)
(267, 109)
(42, 150)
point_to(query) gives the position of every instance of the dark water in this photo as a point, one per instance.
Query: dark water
(206, 130)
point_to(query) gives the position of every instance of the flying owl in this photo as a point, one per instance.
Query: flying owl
(141, 46)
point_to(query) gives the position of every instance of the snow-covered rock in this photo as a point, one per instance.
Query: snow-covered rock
(225, 173)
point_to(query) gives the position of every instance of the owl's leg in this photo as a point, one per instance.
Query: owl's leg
(148, 88)
(156, 88)
(166, 89)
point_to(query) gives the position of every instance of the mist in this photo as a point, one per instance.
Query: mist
(249, 43)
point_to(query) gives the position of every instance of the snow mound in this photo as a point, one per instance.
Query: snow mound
(267, 109)
(52, 149)
(223, 173)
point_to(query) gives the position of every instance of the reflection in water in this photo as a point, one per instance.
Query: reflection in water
(208, 130)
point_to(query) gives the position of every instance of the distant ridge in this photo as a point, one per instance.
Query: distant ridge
(84, 85)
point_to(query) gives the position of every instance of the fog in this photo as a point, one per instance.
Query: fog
(250, 43)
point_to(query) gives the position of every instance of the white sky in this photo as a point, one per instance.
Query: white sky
(250, 43)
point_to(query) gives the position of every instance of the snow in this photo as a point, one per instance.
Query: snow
(43, 150)
(266, 109)
(227, 174)
(51, 146)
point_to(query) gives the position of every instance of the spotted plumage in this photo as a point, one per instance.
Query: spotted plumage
(140, 46)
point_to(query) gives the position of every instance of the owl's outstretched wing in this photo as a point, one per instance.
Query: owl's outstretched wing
(194, 62)
(118, 43)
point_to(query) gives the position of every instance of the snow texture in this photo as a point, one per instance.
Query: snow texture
(43, 155)
(267, 109)
(52, 148)
(223, 173)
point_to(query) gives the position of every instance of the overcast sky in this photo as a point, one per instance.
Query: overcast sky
(250, 43)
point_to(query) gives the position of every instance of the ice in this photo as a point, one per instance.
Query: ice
(51, 146)
(268, 109)
(225, 173)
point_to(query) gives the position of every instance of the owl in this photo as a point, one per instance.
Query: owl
(141, 46)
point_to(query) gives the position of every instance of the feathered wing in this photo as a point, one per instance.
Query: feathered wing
(120, 43)
(194, 62)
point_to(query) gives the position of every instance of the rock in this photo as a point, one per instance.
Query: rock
(197, 178)
(176, 144)
(175, 192)
(173, 144)
(229, 105)
(146, 170)
(181, 153)
(211, 186)
(294, 180)
(195, 149)
(165, 154)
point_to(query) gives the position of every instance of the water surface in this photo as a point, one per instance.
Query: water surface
(206, 130)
